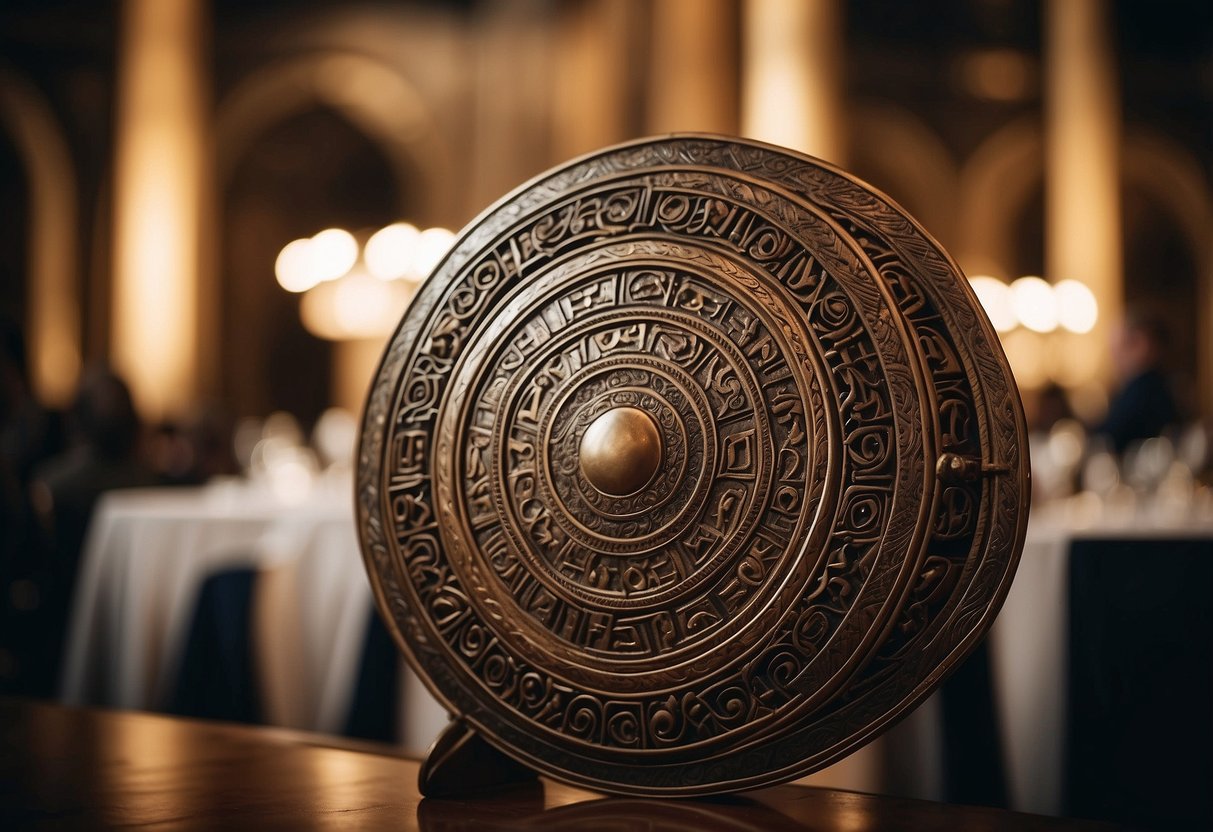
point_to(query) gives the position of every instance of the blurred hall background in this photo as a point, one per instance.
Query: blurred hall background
(214, 211)
(1066, 140)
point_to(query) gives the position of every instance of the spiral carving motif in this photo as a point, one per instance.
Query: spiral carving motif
(648, 485)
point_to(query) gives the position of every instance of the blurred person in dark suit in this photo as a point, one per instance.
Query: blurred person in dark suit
(1144, 406)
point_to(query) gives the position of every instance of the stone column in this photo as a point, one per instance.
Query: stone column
(693, 66)
(53, 317)
(594, 84)
(159, 199)
(511, 52)
(1082, 160)
(791, 75)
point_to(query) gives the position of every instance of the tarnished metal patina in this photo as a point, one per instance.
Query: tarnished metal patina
(692, 467)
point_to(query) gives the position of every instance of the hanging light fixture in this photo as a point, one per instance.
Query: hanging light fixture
(352, 292)
(1037, 322)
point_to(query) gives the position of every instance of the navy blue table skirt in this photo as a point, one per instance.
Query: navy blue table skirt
(1139, 748)
(217, 679)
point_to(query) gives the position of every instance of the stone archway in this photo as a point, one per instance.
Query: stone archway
(910, 162)
(996, 184)
(1175, 183)
(53, 320)
(379, 108)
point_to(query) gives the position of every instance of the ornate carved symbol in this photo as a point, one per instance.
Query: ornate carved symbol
(690, 468)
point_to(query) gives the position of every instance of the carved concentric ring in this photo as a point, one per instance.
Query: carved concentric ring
(648, 484)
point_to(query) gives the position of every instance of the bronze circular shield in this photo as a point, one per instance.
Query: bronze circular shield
(692, 467)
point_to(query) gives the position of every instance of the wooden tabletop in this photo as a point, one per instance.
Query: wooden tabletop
(69, 768)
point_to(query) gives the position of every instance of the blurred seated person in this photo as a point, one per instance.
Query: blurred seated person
(193, 452)
(104, 434)
(1144, 406)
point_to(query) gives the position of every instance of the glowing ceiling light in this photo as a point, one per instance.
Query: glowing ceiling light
(293, 267)
(1035, 304)
(355, 307)
(332, 252)
(389, 253)
(995, 298)
(1077, 309)
(365, 307)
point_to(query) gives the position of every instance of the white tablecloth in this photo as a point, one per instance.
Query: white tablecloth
(145, 559)
(146, 554)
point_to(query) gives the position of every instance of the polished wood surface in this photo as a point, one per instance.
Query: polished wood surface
(68, 768)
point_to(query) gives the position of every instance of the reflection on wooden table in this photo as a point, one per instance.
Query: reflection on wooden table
(68, 768)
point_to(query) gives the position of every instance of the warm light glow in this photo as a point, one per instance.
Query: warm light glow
(995, 298)
(354, 364)
(157, 203)
(356, 306)
(316, 310)
(1090, 401)
(365, 307)
(1077, 310)
(1028, 358)
(432, 246)
(342, 301)
(1074, 359)
(1039, 307)
(291, 474)
(390, 251)
(293, 268)
(327, 255)
(332, 252)
(1035, 304)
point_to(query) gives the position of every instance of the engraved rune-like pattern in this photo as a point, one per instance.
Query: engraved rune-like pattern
(793, 571)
